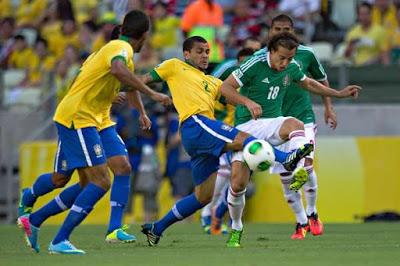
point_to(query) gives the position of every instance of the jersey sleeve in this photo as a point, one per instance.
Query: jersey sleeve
(297, 74)
(118, 51)
(164, 71)
(316, 69)
(246, 71)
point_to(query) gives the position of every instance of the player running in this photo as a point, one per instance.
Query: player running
(205, 139)
(265, 78)
(79, 118)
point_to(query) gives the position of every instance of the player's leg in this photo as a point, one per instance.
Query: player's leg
(84, 151)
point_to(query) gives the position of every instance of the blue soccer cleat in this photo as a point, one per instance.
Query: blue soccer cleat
(23, 209)
(65, 247)
(206, 224)
(120, 236)
(31, 232)
(152, 238)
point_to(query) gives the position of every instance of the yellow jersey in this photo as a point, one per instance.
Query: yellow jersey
(88, 101)
(193, 92)
(21, 59)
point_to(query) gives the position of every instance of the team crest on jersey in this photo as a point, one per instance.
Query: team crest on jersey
(124, 53)
(286, 81)
(97, 150)
(226, 127)
(64, 165)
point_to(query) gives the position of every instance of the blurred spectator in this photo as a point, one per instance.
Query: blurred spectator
(83, 10)
(178, 168)
(108, 22)
(147, 59)
(21, 54)
(245, 22)
(367, 43)
(228, 7)
(86, 35)
(204, 18)
(29, 11)
(50, 24)
(7, 29)
(61, 79)
(5, 8)
(165, 29)
(67, 36)
(384, 14)
(395, 44)
(65, 9)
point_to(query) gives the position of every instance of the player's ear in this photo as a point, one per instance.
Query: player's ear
(186, 55)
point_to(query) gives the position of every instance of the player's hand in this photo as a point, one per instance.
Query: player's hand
(254, 108)
(330, 118)
(144, 122)
(120, 98)
(162, 98)
(350, 91)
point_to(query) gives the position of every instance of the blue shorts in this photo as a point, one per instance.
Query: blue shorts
(204, 140)
(86, 147)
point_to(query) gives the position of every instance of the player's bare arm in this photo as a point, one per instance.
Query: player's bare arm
(135, 101)
(320, 89)
(329, 113)
(229, 91)
(125, 76)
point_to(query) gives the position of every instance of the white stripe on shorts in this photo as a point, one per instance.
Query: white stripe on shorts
(84, 148)
(209, 130)
(57, 156)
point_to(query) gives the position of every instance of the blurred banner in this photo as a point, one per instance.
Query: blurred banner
(357, 176)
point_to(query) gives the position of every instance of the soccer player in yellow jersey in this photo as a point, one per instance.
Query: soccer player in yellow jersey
(204, 138)
(81, 115)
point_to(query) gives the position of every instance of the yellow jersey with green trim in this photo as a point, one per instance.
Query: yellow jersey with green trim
(89, 99)
(193, 92)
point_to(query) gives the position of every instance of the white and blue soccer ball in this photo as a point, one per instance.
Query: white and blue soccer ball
(258, 155)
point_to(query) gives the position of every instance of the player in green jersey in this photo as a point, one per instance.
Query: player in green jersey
(297, 103)
(265, 79)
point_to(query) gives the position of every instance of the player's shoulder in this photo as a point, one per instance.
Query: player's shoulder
(214, 80)
(305, 50)
(254, 61)
(114, 45)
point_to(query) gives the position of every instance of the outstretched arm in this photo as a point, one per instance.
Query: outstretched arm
(329, 113)
(135, 101)
(320, 89)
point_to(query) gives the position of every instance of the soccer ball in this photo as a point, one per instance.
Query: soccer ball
(258, 155)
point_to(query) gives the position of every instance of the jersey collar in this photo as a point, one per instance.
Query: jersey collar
(187, 62)
(268, 59)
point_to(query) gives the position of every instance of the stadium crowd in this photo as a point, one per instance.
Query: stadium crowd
(48, 40)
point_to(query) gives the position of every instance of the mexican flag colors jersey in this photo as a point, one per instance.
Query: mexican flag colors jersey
(264, 85)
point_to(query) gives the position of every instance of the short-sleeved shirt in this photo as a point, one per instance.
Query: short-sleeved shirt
(264, 85)
(90, 97)
(193, 92)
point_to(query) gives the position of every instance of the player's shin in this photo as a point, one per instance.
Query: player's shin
(293, 198)
(236, 203)
(42, 186)
(310, 191)
(120, 190)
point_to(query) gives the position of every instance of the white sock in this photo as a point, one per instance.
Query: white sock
(220, 184)
(294, 200)
(236, 202)
(310, 191)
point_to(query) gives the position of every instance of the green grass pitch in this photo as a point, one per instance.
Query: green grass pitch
(185, 244)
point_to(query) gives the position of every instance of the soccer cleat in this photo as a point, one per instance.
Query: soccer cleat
(64, 247)
(294, 158)
(301, 231)
(23, 209)
(120, 236)
(300, 177)
(217, 227)
(152, 238)
(30, 232)
(315, 225)
(234, 239)
(206, 224)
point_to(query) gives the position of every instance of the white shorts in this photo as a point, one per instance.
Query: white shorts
(225, 166)
(262, 128)
(310, 131)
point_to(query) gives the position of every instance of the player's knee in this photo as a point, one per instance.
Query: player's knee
(238, 185)
(294, 124)
(60, 180)
(102, 180)
(124, 169)
(308, 162)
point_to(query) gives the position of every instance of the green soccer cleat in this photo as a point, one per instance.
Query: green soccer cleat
(120, 236)
(234, 239)
(23, 210)
(294, 158)
(300, 177)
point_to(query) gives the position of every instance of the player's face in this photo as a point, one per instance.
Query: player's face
(281, 58)
(278, 27)
(198, 56)
(140, 43)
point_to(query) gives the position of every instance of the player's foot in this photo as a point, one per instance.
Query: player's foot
(65, 247)
(301, 231)
(316, 226)
(206, 224)
(30, 232)
(294, 158)
(300, 177)
(217, 227)
(234, 238)
(120, 236)
(23, 209)
(152, 238)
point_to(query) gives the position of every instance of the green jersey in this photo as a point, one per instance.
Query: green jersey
(264, 85)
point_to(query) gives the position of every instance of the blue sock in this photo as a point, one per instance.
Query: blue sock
(182, 209)
(222, 207)
(59, 204)
(280, 156)
(42, 185)
(118, 199)
(82, 206)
